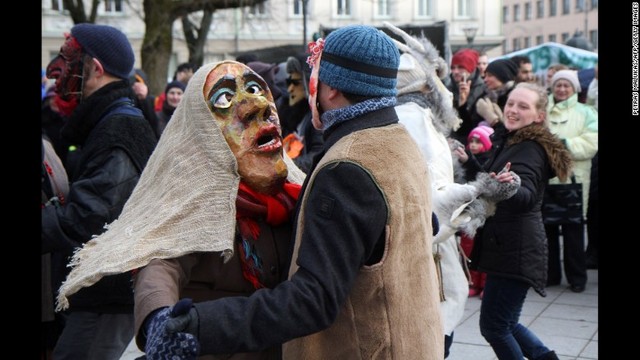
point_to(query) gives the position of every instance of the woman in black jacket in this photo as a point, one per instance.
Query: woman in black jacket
(512, 246)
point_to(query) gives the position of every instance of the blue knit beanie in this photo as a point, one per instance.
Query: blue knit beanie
(360, 60)
(107, 44)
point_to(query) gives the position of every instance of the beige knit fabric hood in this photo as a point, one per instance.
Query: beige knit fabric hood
(184, 201)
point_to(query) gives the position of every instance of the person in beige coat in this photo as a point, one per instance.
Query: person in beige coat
(576, 124)
(425, 108)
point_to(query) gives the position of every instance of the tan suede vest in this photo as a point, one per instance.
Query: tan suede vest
(392, 311)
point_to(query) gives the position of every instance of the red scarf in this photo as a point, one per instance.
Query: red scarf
(251, 205)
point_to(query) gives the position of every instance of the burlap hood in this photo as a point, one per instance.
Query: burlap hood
(184, 201)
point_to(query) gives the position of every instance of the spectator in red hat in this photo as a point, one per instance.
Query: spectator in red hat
(467, 87)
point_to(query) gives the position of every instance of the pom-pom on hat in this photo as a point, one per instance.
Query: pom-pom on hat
(504, 69)
(107, 44)
(175, 84)
(360, 60)
(569, 75)
(483, 134)
(467, 58)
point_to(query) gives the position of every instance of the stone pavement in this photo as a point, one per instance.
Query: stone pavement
(565, 321)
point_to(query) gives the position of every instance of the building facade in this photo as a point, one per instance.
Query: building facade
(528, 23)
(281, 22)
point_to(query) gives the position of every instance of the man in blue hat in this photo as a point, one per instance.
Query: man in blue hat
(91, 81)
(362, 283)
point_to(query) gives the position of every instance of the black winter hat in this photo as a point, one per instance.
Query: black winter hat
(107, 44)
(175, 84)
(504, 69)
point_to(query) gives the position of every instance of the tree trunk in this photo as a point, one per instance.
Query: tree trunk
(157, 44)
(197, 39)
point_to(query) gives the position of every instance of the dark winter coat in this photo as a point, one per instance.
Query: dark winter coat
(115, 147)
(513, 242)
(297, 119)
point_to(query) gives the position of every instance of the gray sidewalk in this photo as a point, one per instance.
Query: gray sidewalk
(565, 321)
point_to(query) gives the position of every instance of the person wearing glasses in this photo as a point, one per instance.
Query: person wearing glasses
(301, 140)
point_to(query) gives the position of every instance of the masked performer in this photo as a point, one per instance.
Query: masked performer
(211, 215)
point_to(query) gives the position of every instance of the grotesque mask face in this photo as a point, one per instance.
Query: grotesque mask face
(67, 70)
(243, 108)
(295, 88)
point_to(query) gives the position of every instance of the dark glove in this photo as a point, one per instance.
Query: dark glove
(165, 341)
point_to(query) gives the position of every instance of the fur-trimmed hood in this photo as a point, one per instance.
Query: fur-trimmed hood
(559, 157)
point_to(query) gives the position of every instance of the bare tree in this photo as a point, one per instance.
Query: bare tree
(157, 43)
(77, 13)
(159, 16)
(196, 36)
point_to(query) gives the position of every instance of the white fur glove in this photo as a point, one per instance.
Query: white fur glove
(489, 111)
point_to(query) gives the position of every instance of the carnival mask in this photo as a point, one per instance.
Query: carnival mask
(67, 70)
(243, 108)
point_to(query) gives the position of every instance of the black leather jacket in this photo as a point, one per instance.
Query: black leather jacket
(115, 146)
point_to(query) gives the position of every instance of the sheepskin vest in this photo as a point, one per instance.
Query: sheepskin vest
(392, 311)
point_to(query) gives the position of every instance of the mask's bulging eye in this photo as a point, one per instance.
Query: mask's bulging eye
(221, 99)
(254, 88)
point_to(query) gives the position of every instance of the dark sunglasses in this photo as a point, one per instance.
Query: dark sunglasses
(292, 81)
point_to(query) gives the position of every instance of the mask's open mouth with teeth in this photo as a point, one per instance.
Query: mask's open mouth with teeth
(268, 139)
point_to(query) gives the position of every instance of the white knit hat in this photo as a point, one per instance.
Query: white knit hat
(569, 75)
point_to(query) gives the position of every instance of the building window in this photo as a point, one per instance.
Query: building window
(464, 8)
(594, 4)
(258, 10)
(540, 9)
(553, 7)
(527, 42)
(593, 37)
(112, 6)
(516, 12)
(505, 14)
(566, 7)
(552, 37)
(343, 8)
(539, 39)
(565, 37)
(527, 11)
(580, 5)
(516, 44)
(297, 7)
(383, 8)
(425, 8)
(57, 5)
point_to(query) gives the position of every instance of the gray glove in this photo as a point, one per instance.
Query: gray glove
(493, 190)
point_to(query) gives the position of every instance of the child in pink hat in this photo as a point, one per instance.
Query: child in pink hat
(479, 144)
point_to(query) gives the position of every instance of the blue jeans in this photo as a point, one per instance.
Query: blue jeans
(499, 314)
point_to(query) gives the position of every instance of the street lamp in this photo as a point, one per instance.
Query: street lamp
(470, 33)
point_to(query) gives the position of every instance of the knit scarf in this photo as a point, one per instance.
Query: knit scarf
(251, 205)
(336, 116)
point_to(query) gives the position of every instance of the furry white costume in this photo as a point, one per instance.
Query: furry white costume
(427, 112)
